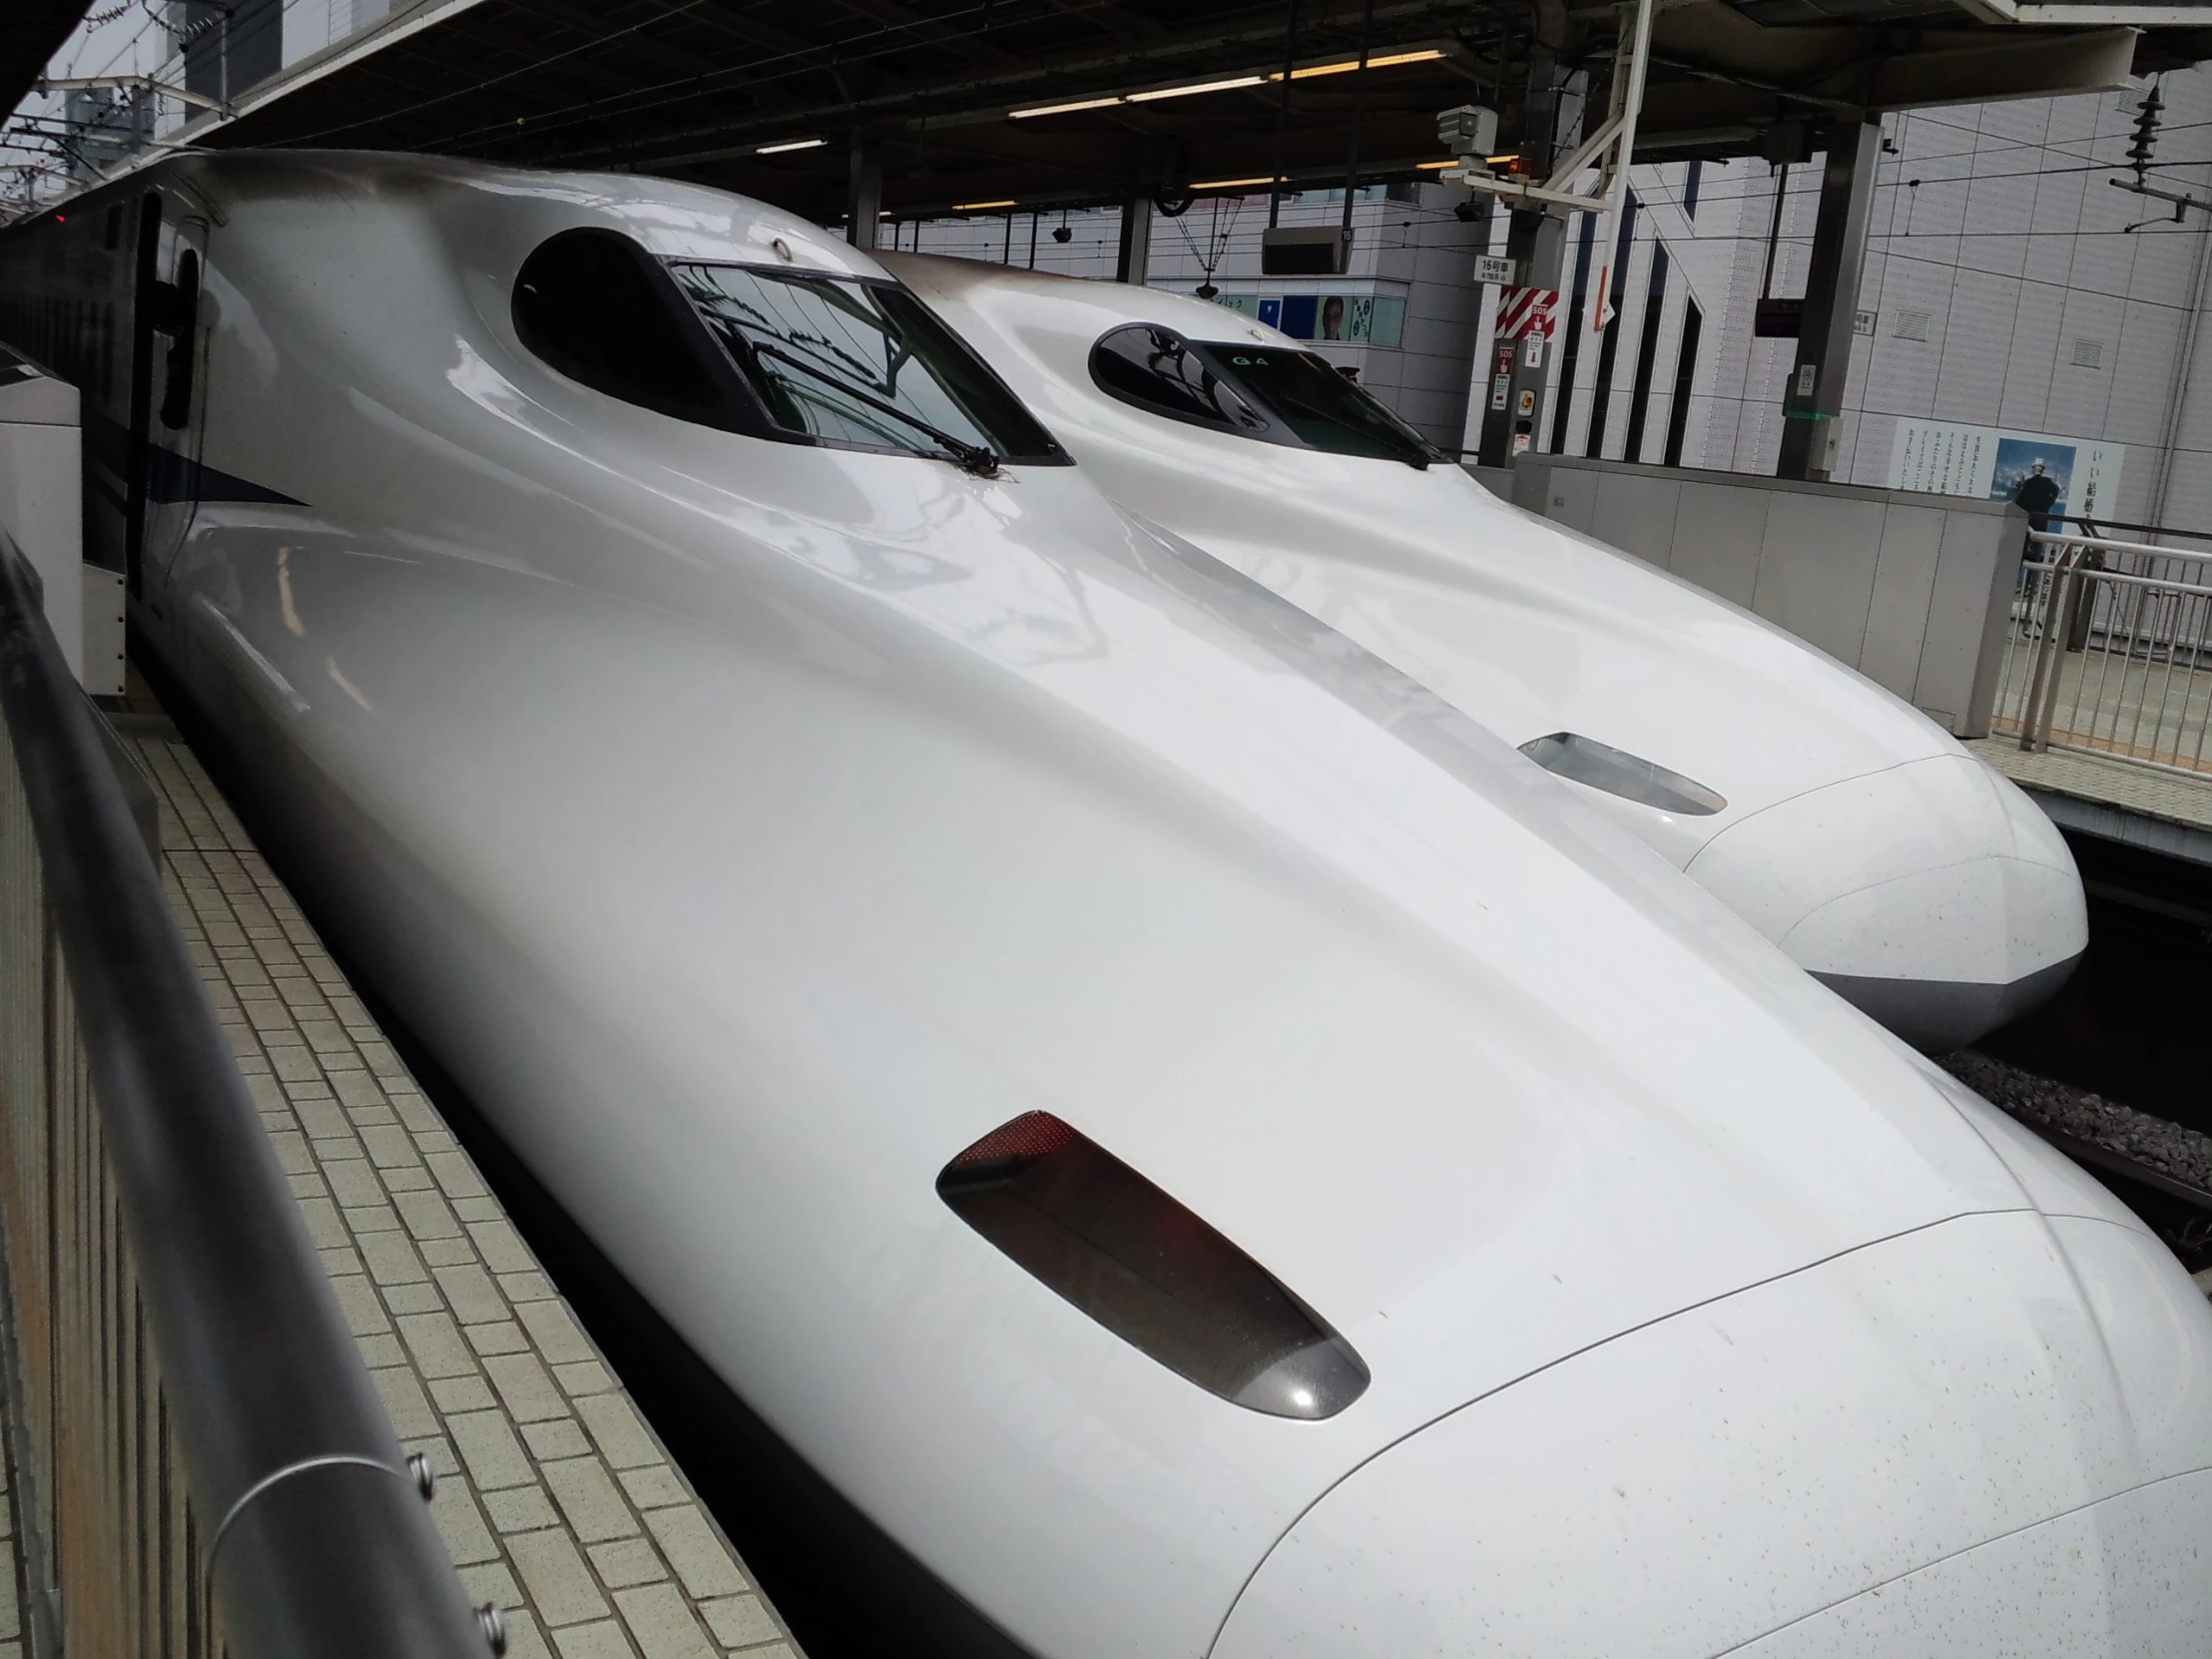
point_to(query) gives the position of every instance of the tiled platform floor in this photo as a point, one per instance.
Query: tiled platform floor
(553, 1495)
(13, 1581)
(2147, 792)
(2126, 802)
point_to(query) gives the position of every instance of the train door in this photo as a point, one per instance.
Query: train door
(167, 387)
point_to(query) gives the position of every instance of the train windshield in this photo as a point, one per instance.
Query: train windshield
(860, 365)
(1282, 396)
(1156, 368)
(1323, 407)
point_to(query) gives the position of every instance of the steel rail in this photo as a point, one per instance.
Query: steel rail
(311, 1529)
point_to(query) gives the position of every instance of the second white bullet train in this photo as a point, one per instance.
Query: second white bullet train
(1839, 821)
(1207, 1149)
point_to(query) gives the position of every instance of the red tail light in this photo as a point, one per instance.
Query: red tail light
(1098, 1234)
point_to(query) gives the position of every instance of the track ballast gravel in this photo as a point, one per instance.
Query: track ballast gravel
(2184, 1154)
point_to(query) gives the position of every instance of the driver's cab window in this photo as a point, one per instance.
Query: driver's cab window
(594, 306)
(1156, 369)
(1271, 393)
(812, 357)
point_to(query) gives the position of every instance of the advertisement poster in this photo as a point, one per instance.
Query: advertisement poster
(2083, 474)
(1354, 319)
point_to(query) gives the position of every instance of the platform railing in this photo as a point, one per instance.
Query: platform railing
(202, 1465)
(2110, 650)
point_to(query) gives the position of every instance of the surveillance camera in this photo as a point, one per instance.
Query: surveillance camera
(1469, 130)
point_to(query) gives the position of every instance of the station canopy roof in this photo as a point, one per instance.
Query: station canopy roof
(31, 32)
(986, 104)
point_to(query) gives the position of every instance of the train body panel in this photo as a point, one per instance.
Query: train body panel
(748, 826)
(1482, 1499)
(1536, 630)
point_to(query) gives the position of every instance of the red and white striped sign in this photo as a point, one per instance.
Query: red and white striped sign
(1523, 312)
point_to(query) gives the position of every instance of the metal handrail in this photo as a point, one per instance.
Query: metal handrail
(2090, 527)
(2112, 578)
(297, 1521)
(2129, 656)
(2108, 544)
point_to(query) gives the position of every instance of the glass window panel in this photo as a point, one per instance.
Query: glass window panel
(592, 305)
(1388, 325)
(1324, 408)
(1156, 369)
(859, 363)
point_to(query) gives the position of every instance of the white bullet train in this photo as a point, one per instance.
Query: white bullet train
(1203, 1145)
(1840, 821)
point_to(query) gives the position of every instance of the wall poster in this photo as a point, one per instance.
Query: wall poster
(1354, 319)
(1994, 464)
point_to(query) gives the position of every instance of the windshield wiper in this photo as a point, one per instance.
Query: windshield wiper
(969, 457)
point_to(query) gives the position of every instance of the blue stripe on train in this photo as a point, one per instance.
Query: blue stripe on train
(171, 478)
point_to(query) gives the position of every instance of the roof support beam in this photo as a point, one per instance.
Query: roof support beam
(2095, 16)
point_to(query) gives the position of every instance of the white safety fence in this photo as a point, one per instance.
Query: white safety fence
(2109, 650)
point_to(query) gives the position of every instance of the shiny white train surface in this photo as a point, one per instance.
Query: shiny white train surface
(1841, 822)
(1206, 1148)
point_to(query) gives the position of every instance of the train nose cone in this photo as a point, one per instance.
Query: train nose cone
(1934, 895)
(1991, 1437)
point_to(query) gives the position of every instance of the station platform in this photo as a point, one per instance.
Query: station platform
(554, 1496)
(2153, 808)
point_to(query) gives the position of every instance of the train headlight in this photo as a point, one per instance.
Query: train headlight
(1095, 1231)
(1617, 771)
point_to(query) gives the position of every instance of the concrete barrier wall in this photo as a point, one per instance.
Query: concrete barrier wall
(1910, 590)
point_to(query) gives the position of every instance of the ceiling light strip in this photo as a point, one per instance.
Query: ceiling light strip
(1203, 86)
(1066, 109)
(1344, 66)
(1428, 54)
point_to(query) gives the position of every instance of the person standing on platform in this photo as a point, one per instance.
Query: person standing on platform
(2036, 494)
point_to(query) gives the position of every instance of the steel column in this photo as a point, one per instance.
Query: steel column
(1814, 400)
(1136, 238)
(1536, 243)
(864, 192)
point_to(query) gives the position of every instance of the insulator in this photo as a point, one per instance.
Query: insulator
(2146, 129)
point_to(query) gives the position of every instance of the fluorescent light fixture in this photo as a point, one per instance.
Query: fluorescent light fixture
(1347, 65)
(1428, 54)
(793, 144)
(979, 207)
(1232, 184)
(1432, 167)
(1065, 109)
(1202, 86)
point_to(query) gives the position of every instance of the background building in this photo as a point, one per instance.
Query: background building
(2007, 286)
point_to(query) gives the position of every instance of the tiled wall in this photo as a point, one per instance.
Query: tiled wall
(1997, 224)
